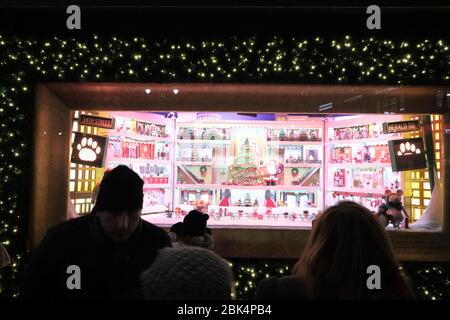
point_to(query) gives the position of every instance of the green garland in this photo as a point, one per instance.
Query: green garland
(24, 61)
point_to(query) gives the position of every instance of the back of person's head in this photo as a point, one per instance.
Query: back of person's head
(121, 189)
(346, 239)
(175, 228)
(174, 231)
(194, 224)
(187, 273)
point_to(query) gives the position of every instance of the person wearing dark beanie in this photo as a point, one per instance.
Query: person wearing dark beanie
(194, 232)
(100, 255)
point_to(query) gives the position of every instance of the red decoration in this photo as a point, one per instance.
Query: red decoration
(225, 202)
(269, 203)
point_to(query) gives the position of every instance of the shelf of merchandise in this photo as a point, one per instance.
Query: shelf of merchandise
(250, 209)
(357, 190)
(152, 209)
(199, 141)
(136, 136)
(156, 186)
(226, 186)
(194, 163)
(293, 143)
(138, 160)
(360, 165)
(368, 141)
(302, 165)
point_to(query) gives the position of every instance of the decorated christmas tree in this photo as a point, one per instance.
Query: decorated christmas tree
(244, 170)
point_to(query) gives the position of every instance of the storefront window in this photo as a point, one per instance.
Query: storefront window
(255, 170)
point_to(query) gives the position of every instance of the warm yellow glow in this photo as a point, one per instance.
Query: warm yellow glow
(417, 213)
(427, 194)
(415, 201)
(416, 193)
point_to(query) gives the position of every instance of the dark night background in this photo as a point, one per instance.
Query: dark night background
(198, 20)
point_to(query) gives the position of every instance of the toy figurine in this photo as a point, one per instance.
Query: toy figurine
(392, 211)
(268, 202)
(225, 202)
(270, 170)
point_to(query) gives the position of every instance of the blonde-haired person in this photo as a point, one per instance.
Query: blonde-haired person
(346, 239)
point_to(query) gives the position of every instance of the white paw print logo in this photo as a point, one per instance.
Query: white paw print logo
(408, 149)
(88, 150)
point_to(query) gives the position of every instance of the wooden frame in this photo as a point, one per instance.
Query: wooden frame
(56, 101)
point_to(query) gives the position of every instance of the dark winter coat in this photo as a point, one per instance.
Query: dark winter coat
(108, 270)
(283, 288)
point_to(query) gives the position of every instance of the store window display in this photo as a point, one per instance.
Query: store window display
(248, 172)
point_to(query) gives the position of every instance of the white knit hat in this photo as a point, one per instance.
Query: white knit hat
(187, 273)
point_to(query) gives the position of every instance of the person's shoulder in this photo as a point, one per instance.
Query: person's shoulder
(280, 288)
(150, 230)
(69, 227)
(69, 232)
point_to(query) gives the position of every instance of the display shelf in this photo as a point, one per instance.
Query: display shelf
(156, 186)
(194, 163)
(226, 186)
(293, 143)
(368, 141)
(357, 190)
(138, 160)
(160, 208)
(136, 136)
(302, 165)
(259, 208)
(360, 165)
(199, 141)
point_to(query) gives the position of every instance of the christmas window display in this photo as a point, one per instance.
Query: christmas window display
(142, 142)
(243, 173)
(269, 173)
(359, 167)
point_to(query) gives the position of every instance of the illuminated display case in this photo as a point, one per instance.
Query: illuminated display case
(359, 165)
(144, 143)
(247, 171)
(277, 172)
